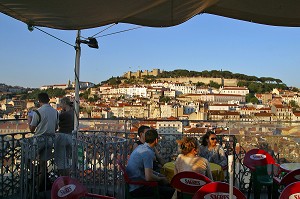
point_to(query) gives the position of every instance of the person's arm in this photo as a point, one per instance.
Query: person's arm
(149, 176)
(32, 121)
(222, 157)
(175, 168)
(159, 158)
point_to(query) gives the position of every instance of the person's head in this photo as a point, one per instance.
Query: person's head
(43, 98)
(66, 102)
(188, 145)
(151, 136)
(209, 139)
(142, 130)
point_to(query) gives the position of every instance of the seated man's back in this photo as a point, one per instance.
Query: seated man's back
(140, 167)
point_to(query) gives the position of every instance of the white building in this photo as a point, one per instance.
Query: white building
(234, 90)
(171, 127)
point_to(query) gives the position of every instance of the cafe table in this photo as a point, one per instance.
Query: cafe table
(287, 167)
(216, 171)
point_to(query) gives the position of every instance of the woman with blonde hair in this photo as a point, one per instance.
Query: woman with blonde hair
(188, 159)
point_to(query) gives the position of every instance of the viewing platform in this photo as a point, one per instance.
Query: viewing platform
(103, 141)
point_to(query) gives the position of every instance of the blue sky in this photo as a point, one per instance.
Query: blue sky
(206, 42)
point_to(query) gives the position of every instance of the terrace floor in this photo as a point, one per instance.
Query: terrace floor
(264, 195)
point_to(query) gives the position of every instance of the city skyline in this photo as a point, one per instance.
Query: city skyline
(206, 42)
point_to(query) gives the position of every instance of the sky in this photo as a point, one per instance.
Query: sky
(205, 42)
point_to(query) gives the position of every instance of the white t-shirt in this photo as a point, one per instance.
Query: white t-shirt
(48, 121)
(196, 164)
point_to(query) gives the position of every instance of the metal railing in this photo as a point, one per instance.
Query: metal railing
(279, 139)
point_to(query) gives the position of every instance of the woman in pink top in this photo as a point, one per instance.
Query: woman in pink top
(188, 159)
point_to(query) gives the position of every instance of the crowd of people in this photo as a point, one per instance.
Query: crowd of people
(143, 161)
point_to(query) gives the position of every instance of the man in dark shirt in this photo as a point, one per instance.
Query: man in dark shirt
(63, 142)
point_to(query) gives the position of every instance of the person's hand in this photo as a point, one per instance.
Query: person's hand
(164, 181)
(158, 174)
(29, 117)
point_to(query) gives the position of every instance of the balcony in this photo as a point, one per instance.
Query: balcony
(102, 141)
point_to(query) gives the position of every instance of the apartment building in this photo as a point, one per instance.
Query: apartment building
(234, 90)
(171, 126)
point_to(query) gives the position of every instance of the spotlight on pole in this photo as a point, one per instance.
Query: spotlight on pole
(91, 42)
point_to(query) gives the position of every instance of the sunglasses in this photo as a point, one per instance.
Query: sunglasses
(213, 138)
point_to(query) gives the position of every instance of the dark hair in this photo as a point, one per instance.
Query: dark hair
(142, 129)
(151, 135)
(206, 136)
(43, 98)
(67, 101)
(187, 144)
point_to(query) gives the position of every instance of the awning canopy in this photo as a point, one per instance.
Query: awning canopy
(78, 14)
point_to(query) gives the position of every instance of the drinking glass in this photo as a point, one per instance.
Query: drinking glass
(275, 170)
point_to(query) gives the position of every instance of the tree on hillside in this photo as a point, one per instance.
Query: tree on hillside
(164, 99)
(294, 105)
(85, 94)
(200, 84)
(214, 84)
(251, 98)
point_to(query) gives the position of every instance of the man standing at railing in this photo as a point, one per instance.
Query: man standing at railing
(140, 167)
(43, 122)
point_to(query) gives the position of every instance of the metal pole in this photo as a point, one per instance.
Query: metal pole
(77, 69)
(76, 116)
(230, 172)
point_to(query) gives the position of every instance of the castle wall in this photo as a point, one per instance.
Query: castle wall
(206, 80)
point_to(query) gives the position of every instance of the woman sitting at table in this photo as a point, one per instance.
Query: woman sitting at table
(188, 159)
(212, 151)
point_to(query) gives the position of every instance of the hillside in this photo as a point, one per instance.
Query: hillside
(255, 84)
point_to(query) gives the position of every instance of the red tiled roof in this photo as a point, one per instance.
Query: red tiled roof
(263, 114)
(196, 130)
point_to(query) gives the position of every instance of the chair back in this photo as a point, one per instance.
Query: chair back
(217, 190)
(66, 187)
(122, 168)
(189, 181)
(257, 157)
(291, 191)
(128, 181)
(291, 177)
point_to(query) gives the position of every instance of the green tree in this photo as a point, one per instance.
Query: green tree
(214, 84)
(85, 94)
(200, 84)
(251, 98)
(164, 99)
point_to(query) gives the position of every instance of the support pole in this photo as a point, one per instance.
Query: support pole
(77, 69)
(76, 115)
(230, 172)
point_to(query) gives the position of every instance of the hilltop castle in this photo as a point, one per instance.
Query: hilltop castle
(206, 80)
(141, 73)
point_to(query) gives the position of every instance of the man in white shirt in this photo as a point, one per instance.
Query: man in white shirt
(43, 123)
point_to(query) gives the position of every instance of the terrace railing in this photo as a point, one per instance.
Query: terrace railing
(278, 138)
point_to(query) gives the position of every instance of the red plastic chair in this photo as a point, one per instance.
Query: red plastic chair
(128, 181)
(291, 191)
(254, 158)
(257, 157)
(66, 187)
(289, 178)
(188, 182)
(217, 190)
